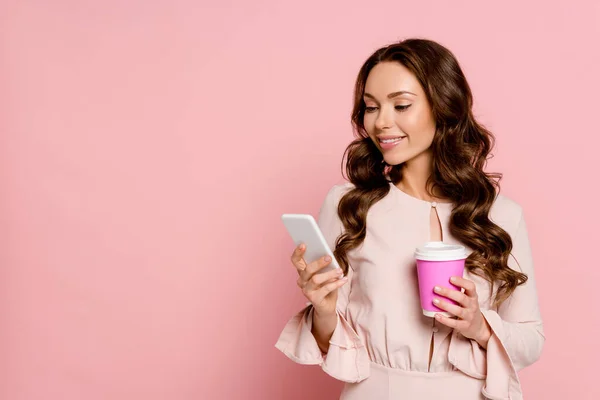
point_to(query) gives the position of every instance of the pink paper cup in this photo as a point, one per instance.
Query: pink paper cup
(437, 262)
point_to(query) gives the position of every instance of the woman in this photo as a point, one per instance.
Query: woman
(415, 175)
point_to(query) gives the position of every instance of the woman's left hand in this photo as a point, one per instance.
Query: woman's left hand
(470, 323)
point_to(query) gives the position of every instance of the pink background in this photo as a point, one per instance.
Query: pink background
(148, 148)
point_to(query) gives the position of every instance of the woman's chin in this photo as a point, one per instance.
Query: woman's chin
(402, 156)
(391, 159)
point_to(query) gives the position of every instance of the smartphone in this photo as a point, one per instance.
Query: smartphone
(304, 229)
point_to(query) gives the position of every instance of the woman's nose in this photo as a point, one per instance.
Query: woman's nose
(385, 119)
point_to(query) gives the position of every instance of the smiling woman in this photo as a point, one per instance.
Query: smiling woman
(403, 114)
(416, 175)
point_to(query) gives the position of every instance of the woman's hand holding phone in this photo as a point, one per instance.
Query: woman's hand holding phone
(319, 288)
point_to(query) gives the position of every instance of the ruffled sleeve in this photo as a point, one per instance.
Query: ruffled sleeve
(347, 358)
(517, 333)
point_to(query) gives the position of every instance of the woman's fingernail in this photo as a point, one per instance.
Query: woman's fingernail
(453, 279)
(437, 289)
(436, 301)
(327, 258)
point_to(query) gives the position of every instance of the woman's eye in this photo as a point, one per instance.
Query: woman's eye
(398, 108)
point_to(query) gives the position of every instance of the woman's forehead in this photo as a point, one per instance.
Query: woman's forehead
(390, 79)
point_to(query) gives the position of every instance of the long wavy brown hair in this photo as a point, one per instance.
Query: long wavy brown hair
(461, 148)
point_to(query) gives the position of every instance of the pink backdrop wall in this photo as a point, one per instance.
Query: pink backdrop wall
(147, 149)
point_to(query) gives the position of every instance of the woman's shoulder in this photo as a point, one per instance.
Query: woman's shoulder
(506, 212)
(328, 215)
(336, 192)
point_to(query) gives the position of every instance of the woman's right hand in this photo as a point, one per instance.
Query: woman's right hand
(319, 288)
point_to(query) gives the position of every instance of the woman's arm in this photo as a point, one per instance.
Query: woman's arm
(516, 336)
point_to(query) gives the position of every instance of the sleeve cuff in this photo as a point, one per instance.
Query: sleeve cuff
(492, 365)
(346, 360)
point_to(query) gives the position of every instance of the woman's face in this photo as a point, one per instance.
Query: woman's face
(398, 116)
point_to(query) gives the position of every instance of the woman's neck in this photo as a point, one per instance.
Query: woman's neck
(415, 173)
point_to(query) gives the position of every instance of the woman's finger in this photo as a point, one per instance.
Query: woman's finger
(316, 266)
(317, 280)
(453, 309)
(457, 324)
(301, 283)
(469, 286)
(297, 259)
(324, 290)
(453, 294)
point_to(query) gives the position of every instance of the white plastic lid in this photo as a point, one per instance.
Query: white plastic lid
(439, 251)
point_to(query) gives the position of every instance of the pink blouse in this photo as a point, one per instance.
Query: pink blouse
(380, 322)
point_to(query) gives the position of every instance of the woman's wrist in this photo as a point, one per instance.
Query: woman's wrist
(484, 336)
(324, 314)
(323, 325)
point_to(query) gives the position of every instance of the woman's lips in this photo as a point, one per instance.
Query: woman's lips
(390, 142)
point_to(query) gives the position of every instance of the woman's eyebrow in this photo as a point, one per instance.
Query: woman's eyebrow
(391, 95)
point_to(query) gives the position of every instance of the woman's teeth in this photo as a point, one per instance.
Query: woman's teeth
(391, 140)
